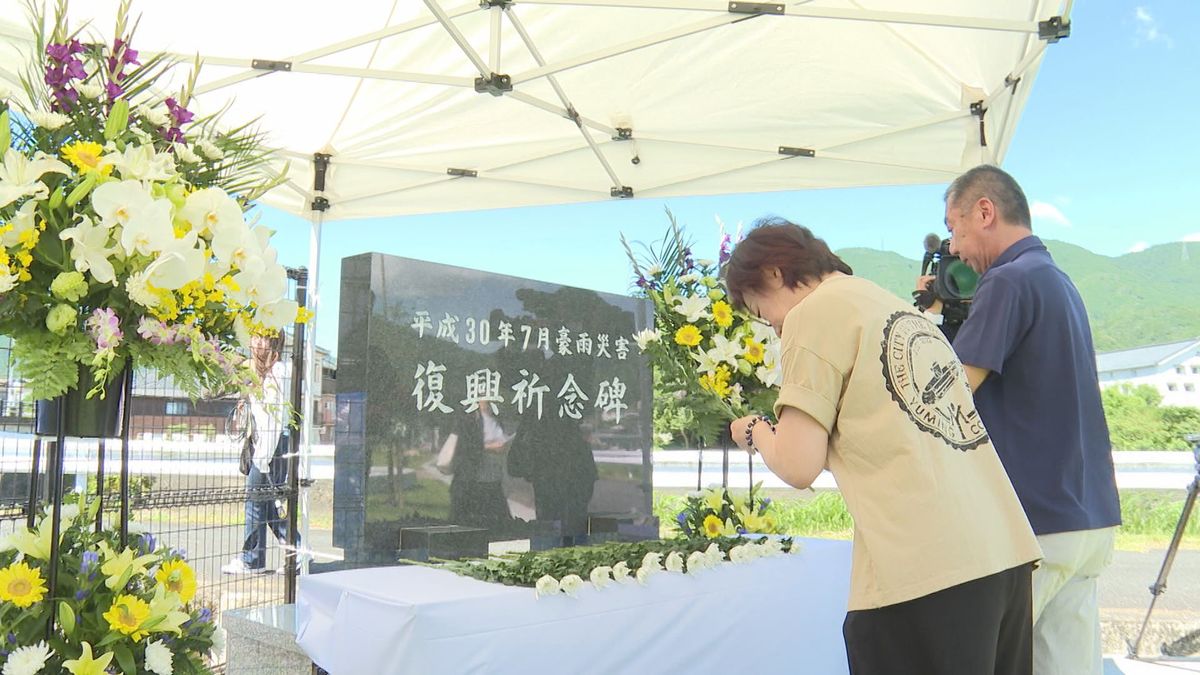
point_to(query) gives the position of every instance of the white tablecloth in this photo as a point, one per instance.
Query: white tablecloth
(775, 615)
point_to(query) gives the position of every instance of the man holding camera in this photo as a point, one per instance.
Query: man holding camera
(1027, 348)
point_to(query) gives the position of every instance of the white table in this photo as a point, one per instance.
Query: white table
(775, 615)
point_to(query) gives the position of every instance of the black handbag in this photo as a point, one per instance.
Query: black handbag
(242, 422)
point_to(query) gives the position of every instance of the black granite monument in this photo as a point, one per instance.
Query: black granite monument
(477, 407)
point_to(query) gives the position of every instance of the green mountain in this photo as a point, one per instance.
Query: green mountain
(1135, 299)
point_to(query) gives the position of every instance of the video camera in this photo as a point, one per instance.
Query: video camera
(954, 283)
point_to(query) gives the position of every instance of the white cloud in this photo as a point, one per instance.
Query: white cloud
(1195, 236)
(1139, 247)
(1046, 212)
(1147, 28)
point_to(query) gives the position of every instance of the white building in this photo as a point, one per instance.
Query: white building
(1172, 369)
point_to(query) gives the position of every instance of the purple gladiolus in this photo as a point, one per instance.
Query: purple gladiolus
(61, 52)
(180, 114)
(114, 91)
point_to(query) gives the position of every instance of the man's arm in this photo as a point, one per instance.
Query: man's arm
(976, 376)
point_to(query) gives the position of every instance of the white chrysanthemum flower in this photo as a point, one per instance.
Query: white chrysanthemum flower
(48, 120)
(139, 290)
(654, 270)
(674, 562)
(697, 561)
(643, 574)
(185, 154)
(601, 576)
(645, 337)
(28, 660)
(92, 91)
(796, 547)
(705, 262)
(653, 560)
(209, 150)
(158, 658)
(570, 584)
(156, 117)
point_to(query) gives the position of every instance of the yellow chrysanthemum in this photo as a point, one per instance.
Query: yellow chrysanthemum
(177, 577)
(87, 157)
(21, 584)
(127, 615)
(755, 351)
(722, 314)
(717, 382)
(712, 526)
(688, 335)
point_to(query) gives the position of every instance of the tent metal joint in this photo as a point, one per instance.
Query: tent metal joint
(755, 8)
(797, 152)
(1011, 82)
(320, 204)
(495, 84)
(502, 4)
(462, 173)
(268, 64)
(979, 109)
(623, 192)
(320, 168)
(1054, 29)
(623, 134)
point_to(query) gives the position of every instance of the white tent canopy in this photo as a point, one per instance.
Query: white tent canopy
(445, 105)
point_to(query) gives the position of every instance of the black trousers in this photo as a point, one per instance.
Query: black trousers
(981, 627)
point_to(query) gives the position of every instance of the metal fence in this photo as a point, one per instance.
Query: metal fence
(184, 484)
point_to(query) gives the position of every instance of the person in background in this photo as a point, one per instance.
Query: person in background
(1027, 348)
(942, 556)
(269, 426)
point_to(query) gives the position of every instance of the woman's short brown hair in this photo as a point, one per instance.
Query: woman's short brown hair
(775, 242)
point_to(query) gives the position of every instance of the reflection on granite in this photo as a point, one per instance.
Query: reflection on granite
(262, 641)
(540, 386)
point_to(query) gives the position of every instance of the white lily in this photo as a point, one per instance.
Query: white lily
(277, 314)
(179, 263)
(117, 202)
(140, 162)
(21, 176)
(24, 220)
(725, 350)
(693, 308)
(211, 210)
(149, 230)
(772, 377)
(763, 333)
(90, 251)
(707, 364)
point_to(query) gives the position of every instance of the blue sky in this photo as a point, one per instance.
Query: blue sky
(1105, 150)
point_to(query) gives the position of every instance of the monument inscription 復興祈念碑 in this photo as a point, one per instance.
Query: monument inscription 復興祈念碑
(540, 386)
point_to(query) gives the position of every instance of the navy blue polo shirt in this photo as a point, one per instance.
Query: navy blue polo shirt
(1041, 402)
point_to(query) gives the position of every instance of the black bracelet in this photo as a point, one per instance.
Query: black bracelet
(750, 432)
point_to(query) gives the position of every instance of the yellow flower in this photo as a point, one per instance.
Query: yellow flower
(86, 665)
(770, 524)
(303, 315)
(712, 526)
(755, 351)
(715, 500)
(127, 615)
(722, 314)
(87, 157)
(165, 616)
(687, 335)
(121, 567)
(21, 585)
(178, 578)
(718, 382)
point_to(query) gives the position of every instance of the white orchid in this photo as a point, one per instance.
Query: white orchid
(259, 282)
(645, 337)
(275, 315)
(21, 176)
(8, 280)
(141, 162)
(242, 331)
(23, 221)
(693, 308)
(47, 120)
(180, 262)
(117, 202)
(211, 210)
(91, 251)
(149, 230)
(547, 585)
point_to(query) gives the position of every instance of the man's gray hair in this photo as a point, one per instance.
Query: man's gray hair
(994, 183)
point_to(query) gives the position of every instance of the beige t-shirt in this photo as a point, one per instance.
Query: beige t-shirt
(931, 503)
